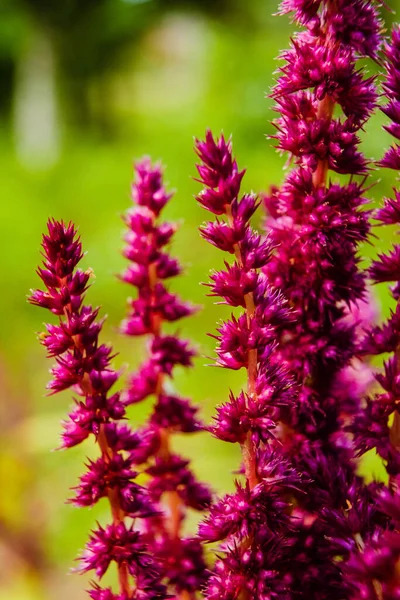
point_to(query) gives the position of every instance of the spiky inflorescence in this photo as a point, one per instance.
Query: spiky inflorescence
(377, 425)
(300, 524)
(252, 522)
(317, 224)
(172, 485)
(83, 364)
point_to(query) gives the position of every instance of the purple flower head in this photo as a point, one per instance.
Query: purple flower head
(85, 365)
(244, 415)
(276, 472)
(374, 569)
(218, 173)
(246, 573)
(329, 70)
(143, 383)
(246, 341)
(148, 189)
(172, 475)
(242, 513)
(119, 544)
(311, 138)
(168, 351)
(114, 474)
(354, 24)
(385, 337)
(87, 417)
(175, 413)
(388, 501)
(358, 26)
(62, 249)
(150, 444)
(171, 485)
(389, 214)
(185, 566)
(304, 10)
(233, 284)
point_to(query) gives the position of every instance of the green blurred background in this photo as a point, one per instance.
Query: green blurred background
(85, 87)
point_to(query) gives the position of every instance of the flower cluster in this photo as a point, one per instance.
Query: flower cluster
(249, 521)
(172, 485)
(377, 425)
(323, 100)
(83, 364)
(301, 522)
(317, 225)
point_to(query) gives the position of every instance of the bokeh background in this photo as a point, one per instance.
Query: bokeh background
(85, 87)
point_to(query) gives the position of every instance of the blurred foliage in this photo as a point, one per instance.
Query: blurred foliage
(131, 78)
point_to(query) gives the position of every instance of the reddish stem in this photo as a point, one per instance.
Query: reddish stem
(172, 500)
(325, 111)
(248, 447)
(107, 453)
(250, 461)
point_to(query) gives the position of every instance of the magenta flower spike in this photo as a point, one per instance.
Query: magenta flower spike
(317, 224)
(301, 523)
(84, 365)
(241, 520)
(377, 425)
(316, 227)
(172, 485)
